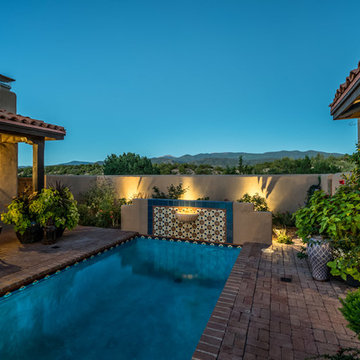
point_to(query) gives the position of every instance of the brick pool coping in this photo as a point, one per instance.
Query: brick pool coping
(78, 245)
(259, 316)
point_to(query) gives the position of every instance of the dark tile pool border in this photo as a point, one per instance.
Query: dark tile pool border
(200, 242)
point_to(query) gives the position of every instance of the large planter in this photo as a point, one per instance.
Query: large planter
(319, 253)
(32, 234)
(59, 232)
(50, 235)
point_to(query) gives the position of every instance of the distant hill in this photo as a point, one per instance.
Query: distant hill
(226, 158)
(231, 158)
(75, 162)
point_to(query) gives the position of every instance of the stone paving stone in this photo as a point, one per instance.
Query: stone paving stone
(265, 318)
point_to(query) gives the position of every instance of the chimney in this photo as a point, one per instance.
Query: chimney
(7, 97)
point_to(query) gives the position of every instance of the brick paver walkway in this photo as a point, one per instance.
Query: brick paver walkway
(21, 264)
(258, 316)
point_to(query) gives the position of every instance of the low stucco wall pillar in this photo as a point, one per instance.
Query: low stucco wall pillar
(134, 217)
(250, 225)
(8, 173)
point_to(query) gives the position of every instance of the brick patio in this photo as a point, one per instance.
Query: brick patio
(21, 264)
(258, 316)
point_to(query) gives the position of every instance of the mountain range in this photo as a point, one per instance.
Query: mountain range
(228, 158)
(232, 158)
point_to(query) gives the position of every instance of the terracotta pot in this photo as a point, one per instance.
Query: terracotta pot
(320, 253)
(32, 234)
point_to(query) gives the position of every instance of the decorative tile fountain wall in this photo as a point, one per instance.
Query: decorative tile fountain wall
(214, 222)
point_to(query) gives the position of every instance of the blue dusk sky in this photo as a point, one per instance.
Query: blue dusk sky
(181, 77)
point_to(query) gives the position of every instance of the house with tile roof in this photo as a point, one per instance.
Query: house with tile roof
(15, 128)
(346, 103)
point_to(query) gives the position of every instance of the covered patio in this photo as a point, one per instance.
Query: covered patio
(15, 128)
(346, 103)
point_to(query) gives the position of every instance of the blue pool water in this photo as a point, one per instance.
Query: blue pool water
(147, 299)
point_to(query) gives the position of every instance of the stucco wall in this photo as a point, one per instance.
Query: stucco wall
(8, 173)
(8, 155)
(247, 225)
(283, 192)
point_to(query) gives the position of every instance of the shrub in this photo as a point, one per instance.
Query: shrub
(257, 200)
(174, 192)
(310, 218)
(283, 219)
(100, 207)
(351, 310)
(282, 236)
(341, 354)
(343, 223)
(128, 164)
(346, 263)
(19, 213)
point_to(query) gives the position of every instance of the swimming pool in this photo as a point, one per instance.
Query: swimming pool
(146, 299)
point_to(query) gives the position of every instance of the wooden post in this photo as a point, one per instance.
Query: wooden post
(38, 165)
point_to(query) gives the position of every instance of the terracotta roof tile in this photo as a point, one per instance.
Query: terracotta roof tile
(347, 85)
(8, 118)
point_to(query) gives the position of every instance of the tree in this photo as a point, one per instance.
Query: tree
(128, 164)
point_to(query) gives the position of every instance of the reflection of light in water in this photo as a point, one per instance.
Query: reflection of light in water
(189, 276)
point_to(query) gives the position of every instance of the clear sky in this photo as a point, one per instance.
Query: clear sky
(181, 77)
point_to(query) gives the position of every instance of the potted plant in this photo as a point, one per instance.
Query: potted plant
(56, 210)
(311, 224)
(20, 214)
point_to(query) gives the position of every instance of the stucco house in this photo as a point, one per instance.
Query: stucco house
(15, 128)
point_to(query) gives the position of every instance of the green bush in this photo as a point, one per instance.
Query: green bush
(100, 207)
(20, 214)
(341, 354)
(173, 192)
(283, 219)
(310, 218)
(128, 164)
(282, 236)
(257, 200)
(343, 223)
(351, 310)
(346, 263)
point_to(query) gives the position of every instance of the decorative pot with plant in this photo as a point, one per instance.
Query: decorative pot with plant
(25, 221)
(311, 225)
(56, 210)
